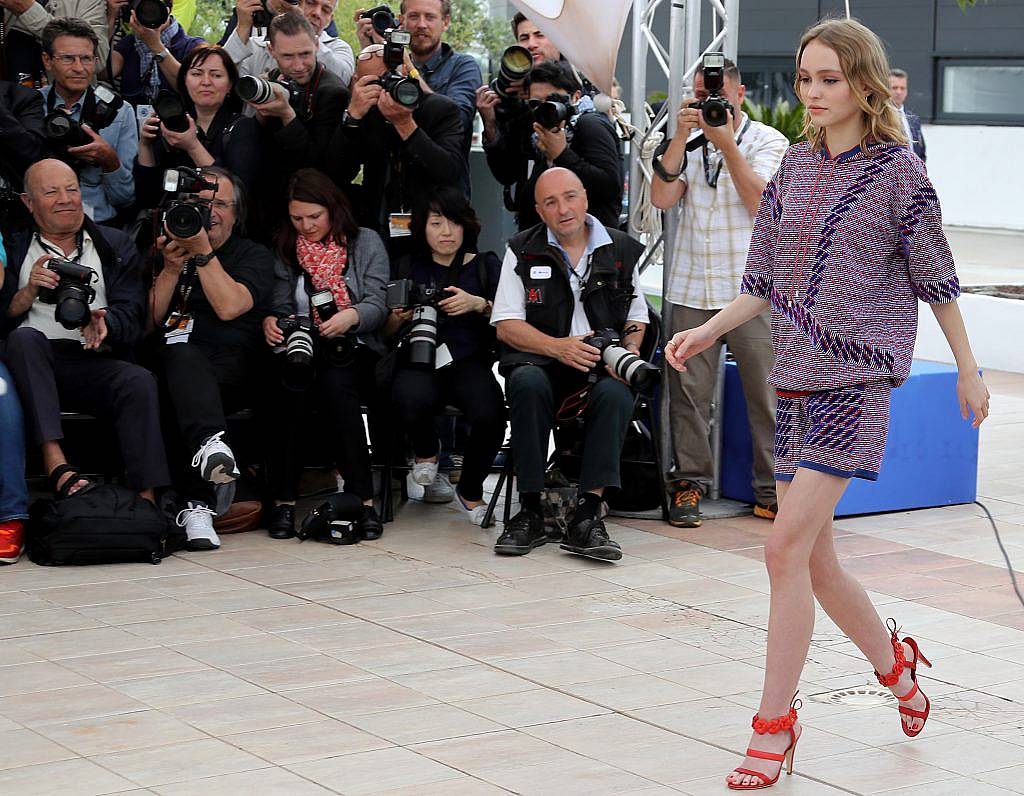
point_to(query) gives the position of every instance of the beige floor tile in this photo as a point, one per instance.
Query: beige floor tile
(180, 762)
(566, 668)
(139, 730)
(595, 634)
(54, 620)
(143, 611)
(271, 574)
(24, 678)
(269, 782)
(172, 690)
(718, 679)
(351, 636)
(131, 665)
(484, 595)
(196, 584)
(961, 752)
(1011, 778)
(80, 777)
(190, 629)
(295, 673)
(27, 748)
(383, 607)
(571, 774)
(242, 714)
(68, 704)
(76, 643)
(658, 656)
(634, 692)
(505, 645)
(427, 723)
(360, 697)
(955, 786)
(554, 586)
(408, 657)
(796, 785)
(291, 617)
(19, 602)
(314, 741)
(251, 599)
(241, 651)
(98, 594)
(465, 786)
(11, 654)
(482, 754)
(526, 708)
(450, 685)
(872, 771)
(372, 772)
(448, 625)
(331, 592)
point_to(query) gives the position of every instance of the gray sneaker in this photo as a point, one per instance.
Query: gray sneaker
(439, 491)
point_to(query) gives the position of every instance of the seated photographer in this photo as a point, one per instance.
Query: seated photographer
(71, 306)
(559, 127)
(562, 281)
(444, 259)
(148, 60)
(334, 301)
(24, 22)
(21, 145)
(102, 144)
(13, 489)
(204, 304)
(249, 50)
(218, 133)
(404, 151)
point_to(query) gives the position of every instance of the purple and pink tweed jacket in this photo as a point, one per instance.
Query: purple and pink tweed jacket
(843, 248)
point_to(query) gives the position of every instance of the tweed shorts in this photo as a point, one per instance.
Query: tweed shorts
(840, 432)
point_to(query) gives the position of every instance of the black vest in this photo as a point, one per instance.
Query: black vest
(542, 267)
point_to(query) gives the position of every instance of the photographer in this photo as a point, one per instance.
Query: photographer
(218, 133)
(204, 306)
(581, 140)
(13, 489)
(445, 259)
(562, 281)
(718, 188)
(148, 60)
(25, 21)
(404, 151)
(336, 295)
(21, 145)
(64, 343)
(251, 53)
(104, 164)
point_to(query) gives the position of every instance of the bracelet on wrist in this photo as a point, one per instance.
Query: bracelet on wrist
(659, 168)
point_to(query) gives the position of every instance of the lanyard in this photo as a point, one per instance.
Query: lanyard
(711, 177)
(186, 281)
(79, 243)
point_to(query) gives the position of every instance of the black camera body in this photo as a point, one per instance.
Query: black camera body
(258, 90)
(556, 110)
(64, 131)
(714, 108)
(150, 13)
(73, 294)
(263, 17)
(382, 17)
(336, 521)
(405, 293)
(404, 90)
(421, 342)
(629, 367)
(171, 110)
(186, 213)
(298, 351)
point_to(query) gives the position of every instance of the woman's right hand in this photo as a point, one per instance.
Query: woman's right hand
(271, 331)
(686, 344)
(150, 130)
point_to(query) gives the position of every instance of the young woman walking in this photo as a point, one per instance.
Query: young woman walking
(848, 237)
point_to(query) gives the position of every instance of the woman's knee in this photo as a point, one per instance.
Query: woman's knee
(785, 551)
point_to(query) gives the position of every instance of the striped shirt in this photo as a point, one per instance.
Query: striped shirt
(843, 248)
(714, 224)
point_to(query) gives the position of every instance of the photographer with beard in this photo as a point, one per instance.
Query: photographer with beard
(519, 151)
(404, 152)
(333, 264)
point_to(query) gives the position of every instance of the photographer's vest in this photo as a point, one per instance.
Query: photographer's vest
(550, 303)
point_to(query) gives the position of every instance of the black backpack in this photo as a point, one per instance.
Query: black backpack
(102, 524)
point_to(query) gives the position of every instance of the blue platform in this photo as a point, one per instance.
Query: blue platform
(931, 454)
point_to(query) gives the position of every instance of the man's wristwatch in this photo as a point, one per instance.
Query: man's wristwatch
(160, 56)
(203, 259)
(348, 120)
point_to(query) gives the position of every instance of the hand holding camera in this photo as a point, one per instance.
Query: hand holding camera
(272, 331)
(67, 285)
(41, 277)
(149, 36)
(551, 142)
(175, 255)
(340, 323)
(372, 23)
(365, 93)
(97, 151)
(575, 352)
(187, 141)
(275, 102)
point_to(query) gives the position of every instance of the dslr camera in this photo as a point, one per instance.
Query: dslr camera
(263, 17)
(515, 65)
(340, 350)
(555, 110)
(714, 108)
(403, 294)
(404, 90)
(186, 213)
(257, 90)
(637, 373)
(150, 13)
(64, 131)
(336, 521)
(298, 351)
(73, 294)
(382, 19)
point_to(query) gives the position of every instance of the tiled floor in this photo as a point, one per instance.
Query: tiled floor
(423, 664)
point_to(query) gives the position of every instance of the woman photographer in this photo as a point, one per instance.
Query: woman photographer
(218, 133)
(337, 276)
(444, 240)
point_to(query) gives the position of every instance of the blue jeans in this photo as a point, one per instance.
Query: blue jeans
(13, 491)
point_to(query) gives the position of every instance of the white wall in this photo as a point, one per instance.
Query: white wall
(996, 328)
(977, 172)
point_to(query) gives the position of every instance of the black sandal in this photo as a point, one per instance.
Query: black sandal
(64, 490)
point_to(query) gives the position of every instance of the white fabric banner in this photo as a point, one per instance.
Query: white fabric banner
(587, 32)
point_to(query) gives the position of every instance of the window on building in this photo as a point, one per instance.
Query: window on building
(987, 91)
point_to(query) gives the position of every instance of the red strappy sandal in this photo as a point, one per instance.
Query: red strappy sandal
(889, 680)
(785, 759)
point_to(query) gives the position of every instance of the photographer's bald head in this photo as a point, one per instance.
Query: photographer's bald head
(561, 202)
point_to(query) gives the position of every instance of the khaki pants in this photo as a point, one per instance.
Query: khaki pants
(691, 393)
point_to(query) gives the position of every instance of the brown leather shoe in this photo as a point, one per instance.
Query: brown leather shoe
(245, 515)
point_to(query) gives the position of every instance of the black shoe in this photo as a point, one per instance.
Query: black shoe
(524, 532)
(685, 509)
(370, 524)
(282, 522)
(590, 538)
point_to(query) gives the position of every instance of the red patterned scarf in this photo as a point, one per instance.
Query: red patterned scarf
(325, 263)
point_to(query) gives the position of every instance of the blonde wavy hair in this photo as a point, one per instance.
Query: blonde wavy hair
(864, 65)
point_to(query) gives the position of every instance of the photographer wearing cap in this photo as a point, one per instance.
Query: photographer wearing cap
(718, 187)
(104, 164)
(576, 137)
(404, 150)
(71, 310)
(250, 50)
(148, 60)
(204, 305)
(25, 21)
(562, 281)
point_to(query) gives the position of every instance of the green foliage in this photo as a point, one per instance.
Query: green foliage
(656, 96)
(211, 19)
(786, 119)
(964, 4)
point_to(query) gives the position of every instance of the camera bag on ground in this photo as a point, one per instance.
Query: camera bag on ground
(335, 521)
(100, 524)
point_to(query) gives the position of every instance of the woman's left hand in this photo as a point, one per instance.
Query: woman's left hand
(461, 302)
(186, 141)
(973, 396)
(339, 324)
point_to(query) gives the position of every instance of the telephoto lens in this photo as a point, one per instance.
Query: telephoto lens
(515, 64)
(171, 110)
(255, 90)
(151, 13)
(61, 129)
(630, 368)
(422, 340)
(298, 352)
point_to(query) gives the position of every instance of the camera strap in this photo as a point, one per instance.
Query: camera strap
(79, 243)
(179, 315)
(711, 175)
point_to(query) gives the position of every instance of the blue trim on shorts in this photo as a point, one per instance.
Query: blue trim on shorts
(867, 475)
(784, 476)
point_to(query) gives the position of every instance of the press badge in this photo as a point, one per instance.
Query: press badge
(142, 112)
(443, 357)
(180, 332)
(540, 272)
(399, 225)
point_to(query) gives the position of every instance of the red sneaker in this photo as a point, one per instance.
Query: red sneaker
(12, 541)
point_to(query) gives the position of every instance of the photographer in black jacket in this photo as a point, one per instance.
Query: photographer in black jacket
(519, 148)
(21, 145)
(404, 152)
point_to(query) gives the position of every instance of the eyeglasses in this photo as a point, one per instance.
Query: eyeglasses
(69, 60)
(220, 204)
(371, 51)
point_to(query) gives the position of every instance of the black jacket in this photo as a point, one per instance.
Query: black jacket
(397, 173)
(126, 297)
(21, 130)
(592, 154)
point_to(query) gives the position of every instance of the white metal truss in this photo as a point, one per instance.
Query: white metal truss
(678, 52)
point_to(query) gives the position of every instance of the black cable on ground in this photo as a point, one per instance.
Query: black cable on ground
(1002, 549)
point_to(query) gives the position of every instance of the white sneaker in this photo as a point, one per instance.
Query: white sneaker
(440, 491)
(424, 473)
(197, 520)
(413, 490)
(474, 515)
(215, 461)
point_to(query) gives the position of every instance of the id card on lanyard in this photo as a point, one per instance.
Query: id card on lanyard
(179, 322)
